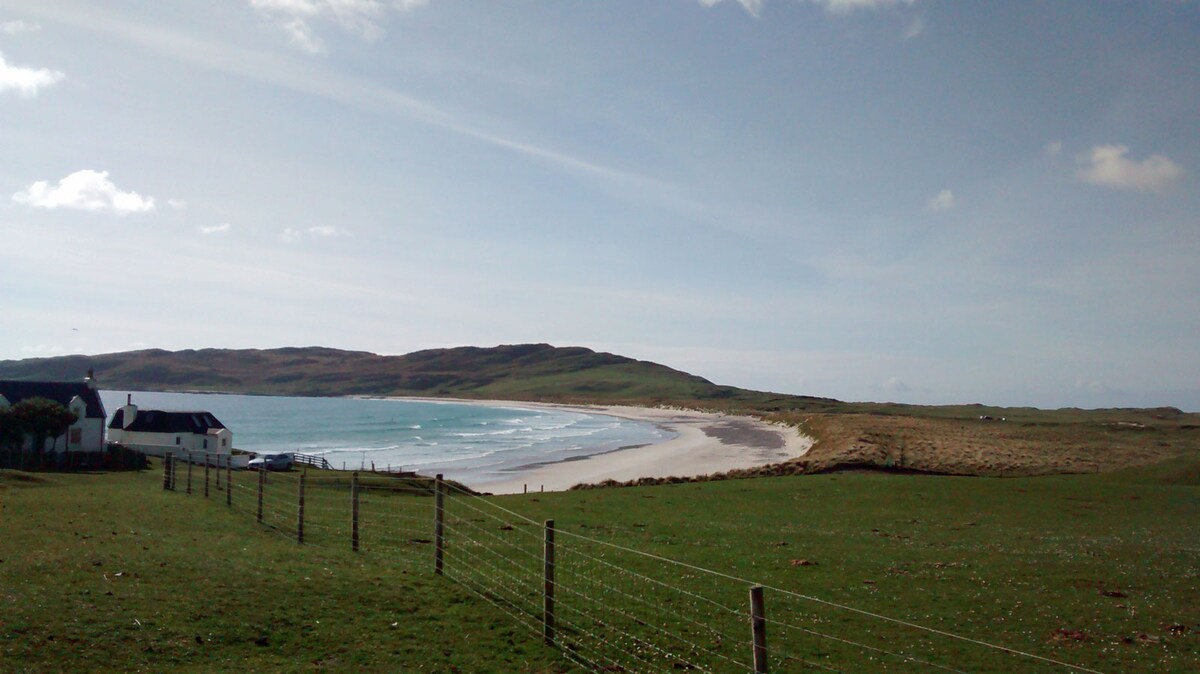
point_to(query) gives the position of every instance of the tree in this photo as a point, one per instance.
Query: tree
(42, 418)
(11, 432)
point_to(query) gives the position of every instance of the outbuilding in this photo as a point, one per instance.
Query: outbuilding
(157, 432)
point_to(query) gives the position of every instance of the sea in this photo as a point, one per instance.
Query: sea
(474, 443)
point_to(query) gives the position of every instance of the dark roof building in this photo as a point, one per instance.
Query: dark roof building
(62, 392)
(159, 421)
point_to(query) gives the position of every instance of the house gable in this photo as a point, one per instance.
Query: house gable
(64, 393)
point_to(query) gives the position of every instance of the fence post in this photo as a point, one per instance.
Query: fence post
(300, 510)
(229, 480)
(439, 524)
(758, 625)
(354, 512)
(262, 482)
(206, 462)
(166, 471)
(548, 586)
(189, 477)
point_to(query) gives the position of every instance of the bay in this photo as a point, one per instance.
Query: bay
(474, 443)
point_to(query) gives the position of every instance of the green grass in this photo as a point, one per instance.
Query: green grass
(110, 572)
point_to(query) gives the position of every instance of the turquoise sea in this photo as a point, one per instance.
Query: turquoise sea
(473, 443)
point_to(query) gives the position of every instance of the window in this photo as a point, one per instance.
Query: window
(223, 441)
(177, 439)
(205, 443)
(76, 436)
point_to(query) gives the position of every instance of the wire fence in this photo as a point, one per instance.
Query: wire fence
(604, 606)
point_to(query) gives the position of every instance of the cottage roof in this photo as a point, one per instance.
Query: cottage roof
(59, 391)
(160, 421)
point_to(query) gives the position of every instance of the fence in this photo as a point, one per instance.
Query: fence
(604, 606)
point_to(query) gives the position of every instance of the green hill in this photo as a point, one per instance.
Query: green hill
(526, 372)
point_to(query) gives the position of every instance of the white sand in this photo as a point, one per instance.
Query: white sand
(707, 443)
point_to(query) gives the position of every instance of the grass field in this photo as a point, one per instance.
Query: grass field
(108, 572)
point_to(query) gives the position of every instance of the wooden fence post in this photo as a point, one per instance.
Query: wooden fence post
(354, 512)
(758, 625)
(229, 480)
(189, 477)
(262, 482)
(300, 510)
(439, 524)
(166, 471)
(548, 585)
(206, 462)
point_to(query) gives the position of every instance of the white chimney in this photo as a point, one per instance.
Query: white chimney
(128, 412)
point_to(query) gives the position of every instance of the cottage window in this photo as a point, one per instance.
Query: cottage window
(205, 443)
(177, 439)
(223, 441)
(76, 436)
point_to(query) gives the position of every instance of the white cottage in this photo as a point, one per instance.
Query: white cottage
(81, 397)
(158, 431)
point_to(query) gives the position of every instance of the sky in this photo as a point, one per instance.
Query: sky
(924, 201)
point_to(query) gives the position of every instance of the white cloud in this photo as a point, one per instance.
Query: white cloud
(27, 82)
(177, 204)
(1108, 166)
(360, 17)
(327, 231)
(216, 229)
(754, 7)
(84, 190)
(845, 6)
(293, 235)
(1053, 148)
(896, 385)
(17, 27)
(942, 202)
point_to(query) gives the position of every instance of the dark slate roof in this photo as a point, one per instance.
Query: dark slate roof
(159, 421)
(59, 391)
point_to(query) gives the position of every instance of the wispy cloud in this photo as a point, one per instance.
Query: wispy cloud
(915, 28)
(27, 82)
(84, 190)
(359, 17)
(17, 27)
(1108, 166)
(941, 202)
(177, 204)
(753, 7)
(1053, 148)
(293, 235)
(846, 6)
(216, 229)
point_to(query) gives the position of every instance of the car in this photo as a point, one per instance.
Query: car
(272, 462)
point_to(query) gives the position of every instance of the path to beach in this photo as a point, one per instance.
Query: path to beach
(707, 443)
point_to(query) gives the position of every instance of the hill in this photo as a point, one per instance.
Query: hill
(519, 372)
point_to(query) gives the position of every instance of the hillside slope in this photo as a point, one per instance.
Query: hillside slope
(527, 371)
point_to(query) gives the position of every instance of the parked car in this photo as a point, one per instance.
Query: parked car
(272, 462)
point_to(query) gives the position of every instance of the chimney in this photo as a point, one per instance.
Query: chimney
(128, 412)
(90, 379)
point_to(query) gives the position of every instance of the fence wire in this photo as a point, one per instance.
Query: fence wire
(614, 608)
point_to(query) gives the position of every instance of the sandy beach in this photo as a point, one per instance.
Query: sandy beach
(706, 443)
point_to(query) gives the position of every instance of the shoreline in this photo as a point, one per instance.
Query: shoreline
(705, 443)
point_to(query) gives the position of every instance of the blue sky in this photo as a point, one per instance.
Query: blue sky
(921, 201)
